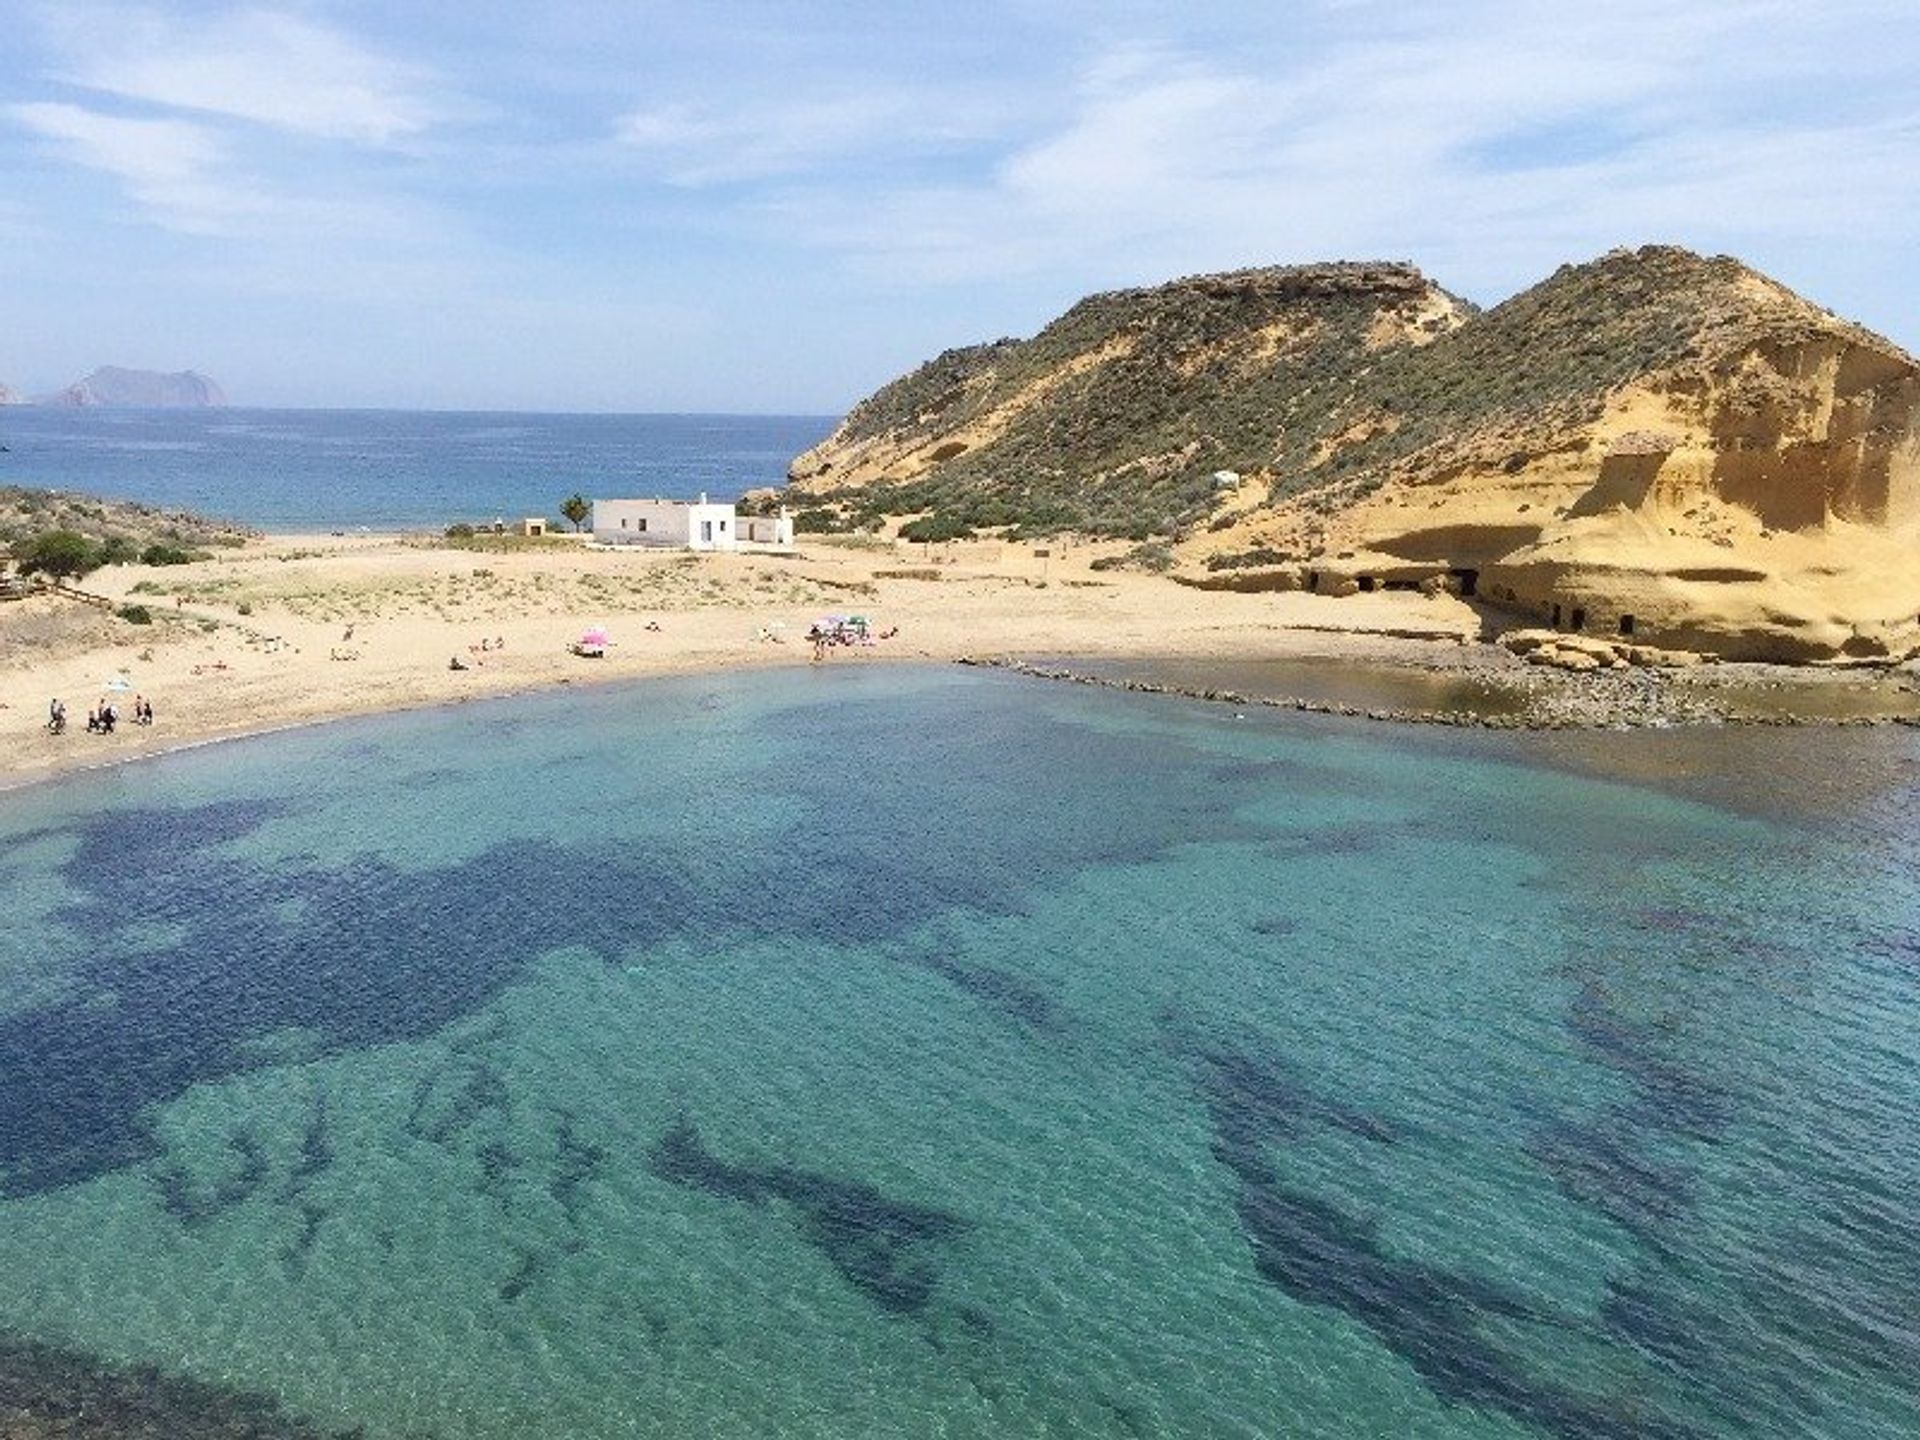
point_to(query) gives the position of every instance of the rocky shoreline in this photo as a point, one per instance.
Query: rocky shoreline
(1547, 700)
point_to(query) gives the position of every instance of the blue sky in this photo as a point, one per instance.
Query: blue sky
(777, 207)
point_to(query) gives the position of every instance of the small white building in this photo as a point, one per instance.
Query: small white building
(766, 529)
(685, 525)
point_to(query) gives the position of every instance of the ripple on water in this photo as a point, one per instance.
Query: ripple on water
(931, 1052)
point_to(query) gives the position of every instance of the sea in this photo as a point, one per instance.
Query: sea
(314, 471)
(874, 1051)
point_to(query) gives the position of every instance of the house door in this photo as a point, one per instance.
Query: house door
(706, 532)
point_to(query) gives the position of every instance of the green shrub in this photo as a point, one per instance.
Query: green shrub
(135, 614)
(819, 520)
(59, 553)
(245, 607)
(162, 554)
(936, 527)
(460, 532)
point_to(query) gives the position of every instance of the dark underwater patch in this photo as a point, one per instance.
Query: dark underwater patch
(1669, 1096)
(49, 1391)
(883, 1247)
(1011, 994)
(193, 1200)
(1603, 1166)
(577, 1163)
(293, 1256)
(316, 1151)
(1432, 1317)
(531, 1265)
(366, 953)
(1274, 927)
(452, 1097)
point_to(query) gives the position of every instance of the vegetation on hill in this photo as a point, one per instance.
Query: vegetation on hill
(1115, 418)
(59, 533)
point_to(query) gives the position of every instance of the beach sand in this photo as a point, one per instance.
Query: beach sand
(295, 629)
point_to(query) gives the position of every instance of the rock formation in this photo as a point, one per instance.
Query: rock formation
(112, 385)
(1661, 447)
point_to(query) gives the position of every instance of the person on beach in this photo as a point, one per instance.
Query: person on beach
(57, 717)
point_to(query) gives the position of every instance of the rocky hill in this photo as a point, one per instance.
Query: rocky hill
(113, 385)
(1654, 445)
(125, 526)
(1116, 418)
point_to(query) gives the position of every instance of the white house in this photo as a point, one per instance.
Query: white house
(766, 529)
(685, 525)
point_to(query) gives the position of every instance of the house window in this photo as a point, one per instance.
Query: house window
(623, 522)
(723, 527)
(640, 524)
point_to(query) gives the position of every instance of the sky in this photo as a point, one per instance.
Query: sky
(763, 206)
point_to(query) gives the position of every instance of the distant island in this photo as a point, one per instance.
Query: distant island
(10, 396)
(116, 386)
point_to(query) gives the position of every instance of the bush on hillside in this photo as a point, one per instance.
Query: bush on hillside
(160, 553)
(63, 554)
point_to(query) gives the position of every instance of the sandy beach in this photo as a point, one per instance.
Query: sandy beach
(297, 629)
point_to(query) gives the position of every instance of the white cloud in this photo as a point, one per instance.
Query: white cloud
(166, 165)
(725, 142)
(272, 69)
(182, 177)
(1488, 141)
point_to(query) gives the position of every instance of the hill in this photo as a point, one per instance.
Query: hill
(1116, 417)
(113, 385)
(1653, 444)
(124, 527)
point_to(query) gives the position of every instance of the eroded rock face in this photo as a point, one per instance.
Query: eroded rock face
(1775, 514)
(1751, 491)
(1671, 449)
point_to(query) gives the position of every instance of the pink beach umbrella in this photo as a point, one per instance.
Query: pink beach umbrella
(595, 636)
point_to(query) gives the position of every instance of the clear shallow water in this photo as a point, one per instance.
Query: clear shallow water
(1317, 679)
(317, 470)
(937, 1053)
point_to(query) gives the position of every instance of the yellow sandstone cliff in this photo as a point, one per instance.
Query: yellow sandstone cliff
(1654, 446)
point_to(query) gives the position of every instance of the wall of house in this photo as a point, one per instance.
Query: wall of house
(766, 529)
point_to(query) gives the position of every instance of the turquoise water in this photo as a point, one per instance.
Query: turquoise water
(933, 1053)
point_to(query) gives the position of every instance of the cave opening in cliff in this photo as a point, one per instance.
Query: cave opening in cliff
(1579, 621)
(1469, 581)
(1365, 583)
(1626, 624)
(1556, 617)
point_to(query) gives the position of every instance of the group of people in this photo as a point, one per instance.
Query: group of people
(844, 630)
(101, 718)
(478, 652)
